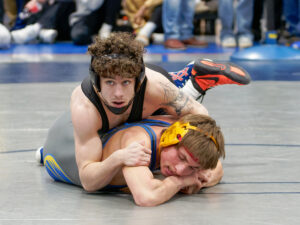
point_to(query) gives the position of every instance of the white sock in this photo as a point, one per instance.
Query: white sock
(190, 90)
(148, 29)
(37, 27)
(105, 30)
(106, 27)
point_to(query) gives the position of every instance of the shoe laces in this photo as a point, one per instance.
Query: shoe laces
(201, 97)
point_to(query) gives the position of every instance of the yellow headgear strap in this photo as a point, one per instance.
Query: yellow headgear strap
(177, 131)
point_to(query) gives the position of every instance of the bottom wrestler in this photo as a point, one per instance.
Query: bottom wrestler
(187, 154)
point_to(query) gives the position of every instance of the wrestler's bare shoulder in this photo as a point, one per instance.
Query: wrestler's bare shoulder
(78, 97)
(82, 109)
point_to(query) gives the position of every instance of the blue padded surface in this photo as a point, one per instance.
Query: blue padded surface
(57, 48)
(69, 48)
(267, 52)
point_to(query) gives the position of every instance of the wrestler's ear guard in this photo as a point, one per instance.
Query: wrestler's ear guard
(95, 78)
(139, 80)
(175, 133)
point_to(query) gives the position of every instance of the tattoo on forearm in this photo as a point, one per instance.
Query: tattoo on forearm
(176, 99)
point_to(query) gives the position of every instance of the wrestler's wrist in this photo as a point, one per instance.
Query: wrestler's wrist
(178, 181)
(119, 157)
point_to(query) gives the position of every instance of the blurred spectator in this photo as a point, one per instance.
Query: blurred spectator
(1, 11)
(273, 20)
(4, 37)
(4, 32)
(291, 10)
(92, 17)
(243, 19)
(46, 21)
(145, 17)
(178, 16)
(11, 11)
(206, 14)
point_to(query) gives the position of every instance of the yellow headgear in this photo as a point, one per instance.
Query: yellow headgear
(177, 131)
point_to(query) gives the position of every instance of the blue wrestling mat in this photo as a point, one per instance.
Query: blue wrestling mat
(278, 64)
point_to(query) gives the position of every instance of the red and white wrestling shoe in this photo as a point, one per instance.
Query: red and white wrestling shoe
(207, 74)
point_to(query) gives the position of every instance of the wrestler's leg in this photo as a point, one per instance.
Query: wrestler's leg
(160, 70)
(205, 74)
(58, 152)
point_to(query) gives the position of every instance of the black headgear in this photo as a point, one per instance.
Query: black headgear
(96, 78)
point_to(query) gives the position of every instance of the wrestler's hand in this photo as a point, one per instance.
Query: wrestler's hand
(203, 176)
(211, 177)
(136, 154)
(193, 184)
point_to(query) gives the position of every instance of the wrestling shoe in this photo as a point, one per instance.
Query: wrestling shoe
(182, 76)
(207, 74)
(39, 156)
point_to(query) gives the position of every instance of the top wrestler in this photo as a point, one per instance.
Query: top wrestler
(121, 89)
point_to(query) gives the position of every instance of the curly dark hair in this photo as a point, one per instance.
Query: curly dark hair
(118, 55)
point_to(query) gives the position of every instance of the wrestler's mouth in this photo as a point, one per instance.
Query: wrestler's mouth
(118, 104)
(168, 172)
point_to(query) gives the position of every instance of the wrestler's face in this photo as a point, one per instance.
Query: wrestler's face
(118, 91)
(177, 162)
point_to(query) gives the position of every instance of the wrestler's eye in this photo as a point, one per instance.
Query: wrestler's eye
(126, 82)
(194, 168)
(182, 157)
(110, 82)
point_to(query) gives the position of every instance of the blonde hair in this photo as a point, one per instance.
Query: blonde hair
(120, 54)
(207, 143)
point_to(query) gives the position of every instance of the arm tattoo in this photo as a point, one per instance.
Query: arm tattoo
(176, 99)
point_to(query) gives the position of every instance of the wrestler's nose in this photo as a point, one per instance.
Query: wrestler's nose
(182, 169)
(119, 91)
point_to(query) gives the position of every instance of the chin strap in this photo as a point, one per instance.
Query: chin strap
(116, 110)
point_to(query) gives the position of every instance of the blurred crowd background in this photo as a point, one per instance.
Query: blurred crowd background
(179, 23)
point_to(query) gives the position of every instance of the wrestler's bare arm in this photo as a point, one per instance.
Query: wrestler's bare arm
(177, 103)
(148, 191)
(95, 173)
(162, 93)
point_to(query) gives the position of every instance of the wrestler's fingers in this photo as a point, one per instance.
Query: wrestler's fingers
(146, 158)
(147, 151)
(141, 142)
